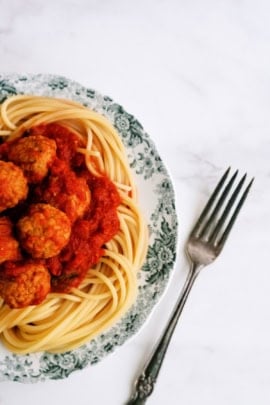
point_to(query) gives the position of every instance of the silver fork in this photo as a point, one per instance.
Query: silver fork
(204, 244)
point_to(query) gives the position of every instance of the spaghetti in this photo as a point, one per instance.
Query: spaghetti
(66, 320)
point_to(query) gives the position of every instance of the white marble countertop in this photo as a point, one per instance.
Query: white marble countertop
(197, 76)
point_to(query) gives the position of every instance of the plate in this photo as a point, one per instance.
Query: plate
(157, 200)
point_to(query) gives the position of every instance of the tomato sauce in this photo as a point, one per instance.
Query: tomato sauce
(99, 223)
(93, 226)
(88, 236)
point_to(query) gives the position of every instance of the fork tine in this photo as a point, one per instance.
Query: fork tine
(209, 203)
(227, 210)
(219, 204)
(227, 230)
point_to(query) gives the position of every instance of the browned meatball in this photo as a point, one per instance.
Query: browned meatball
(23, 284)
(13, 185)
(44, 231)
(34, 154)
(69, 193)
(9, 246)
(66, 191)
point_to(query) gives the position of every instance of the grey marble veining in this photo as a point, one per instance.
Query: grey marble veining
(197, 76)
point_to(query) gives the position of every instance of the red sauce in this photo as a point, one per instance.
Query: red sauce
(90, 231)
(88, 236)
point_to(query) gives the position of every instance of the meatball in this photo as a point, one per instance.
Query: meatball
(67, 191)
(34, 154)
(74, 201)
(9, 246)
(13, 185)
(24, 283)
(44, 231)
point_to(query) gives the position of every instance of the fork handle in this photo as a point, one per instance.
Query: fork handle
(144, 385)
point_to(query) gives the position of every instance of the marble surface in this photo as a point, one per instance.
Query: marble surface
(197, 76)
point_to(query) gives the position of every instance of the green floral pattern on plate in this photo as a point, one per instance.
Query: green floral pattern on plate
(158, 203)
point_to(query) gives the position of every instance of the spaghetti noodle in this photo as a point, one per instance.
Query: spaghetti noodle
(66, 320)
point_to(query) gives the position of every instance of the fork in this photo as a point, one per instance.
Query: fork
(204, 245)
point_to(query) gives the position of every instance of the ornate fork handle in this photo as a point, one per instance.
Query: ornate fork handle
(146, 381)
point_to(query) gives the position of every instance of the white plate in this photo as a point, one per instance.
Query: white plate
(157, 201)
